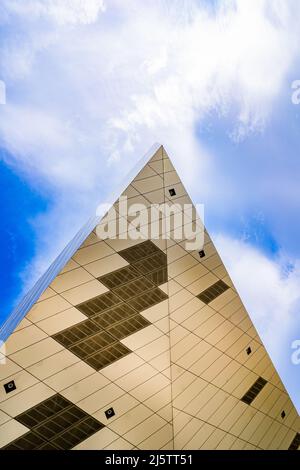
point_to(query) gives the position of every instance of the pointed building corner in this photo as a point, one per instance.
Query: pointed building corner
(137, 339)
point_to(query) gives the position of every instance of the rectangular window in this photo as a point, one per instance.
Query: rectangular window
(254, 391)
(212, 292)
(295, 442)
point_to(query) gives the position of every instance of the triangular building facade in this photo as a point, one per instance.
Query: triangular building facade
(140, 343)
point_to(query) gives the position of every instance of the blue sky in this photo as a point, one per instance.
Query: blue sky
(92, 85)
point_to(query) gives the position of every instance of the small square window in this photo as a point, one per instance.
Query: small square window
(172, 192)
(110, 413)
(10, 386)
(283, 414)
(202, 253)
(249, 351)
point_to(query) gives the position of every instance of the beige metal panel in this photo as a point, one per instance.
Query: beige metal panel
(252, 360)
(85, 387)
(228, 372)
(47, 294)
(189, 359)
(158, 439)
(121, 406)
(231, 308)
(178, 333)
(213, 440)
(122, 367)
(238, 445)
(170, 287)
(154, 349)
(69, 266)
(202, 283)
(181, 265)
(136, 377)
(266, 441)
(171, 178)
(263, 428)
(92, 253)
(270, 399)
(223, 299)
(106, 265)
(265, 396)
(142, 337)
(181, 379)
(149, 184)
(157, 312)
(53, 364)
(175, 252)
(188, 308)
(191, 275)
(130, 192)
(156, 197)
(130, 420)
(212, 262)
(241, 387)
(145, 429)
(100, 398)
(223, 410)
(61, 321)
(183, 346)
(280, 436)
(219, 333)
(161, 399)
(8, 368)
(163, 325)
(158, 166)
(180, 191)
(118, 444)
(84, 292)
(252, 426)
(292, 417)
(193, 322)
(150, 387)
(210, 325)
(200, 406)
(4, 417)
(23, 324)
(287, 439)
(70, 279)
(201, 436)
(11, 430)
(226, 443)
(202, 364)
(183, 438)
(23, 338)
(26, 399)
(146, 172)
(234, 414)
(279, 406)
(92, 238)
(240, 345)
(182, 399)
(22, 379)
(166, 412)
(47, 308)
(69, 376)
(99, 440)
(36, 352)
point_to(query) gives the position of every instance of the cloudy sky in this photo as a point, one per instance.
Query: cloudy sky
(92, 84)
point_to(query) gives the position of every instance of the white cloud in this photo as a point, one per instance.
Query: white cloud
(60, 11)
(106, 86)
(271, 295)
